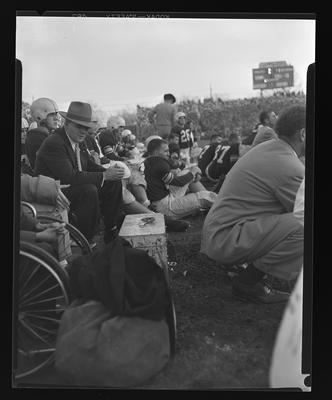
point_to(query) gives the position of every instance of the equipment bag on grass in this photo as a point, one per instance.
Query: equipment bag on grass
(95, 349)
(126, 280)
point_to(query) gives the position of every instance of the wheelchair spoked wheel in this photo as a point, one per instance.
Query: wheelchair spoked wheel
(79, 243)
(170, 311)
(171, 320)
(42, 296)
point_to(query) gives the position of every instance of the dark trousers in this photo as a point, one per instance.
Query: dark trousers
(111, 203)
(87, 203)
(84, 203)
(218, 185)
(164, 131)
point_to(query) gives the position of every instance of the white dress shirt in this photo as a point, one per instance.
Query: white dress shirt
(73, 145)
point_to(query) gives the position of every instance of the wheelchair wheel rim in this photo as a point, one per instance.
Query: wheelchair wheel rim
(41, 302)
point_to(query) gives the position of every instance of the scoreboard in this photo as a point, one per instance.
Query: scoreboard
(273, 75)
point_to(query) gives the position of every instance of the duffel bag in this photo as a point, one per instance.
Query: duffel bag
(95, 349)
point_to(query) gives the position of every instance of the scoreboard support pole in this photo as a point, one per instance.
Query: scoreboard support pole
(261, 91)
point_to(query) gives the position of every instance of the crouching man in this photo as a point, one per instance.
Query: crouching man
(190, 195)
(252, 219)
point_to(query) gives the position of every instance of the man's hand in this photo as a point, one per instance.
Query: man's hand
(114, 173)
(57, 225)
(197, 177)
(50, 234)
(62, 202)
(95, 156)
(196, 171)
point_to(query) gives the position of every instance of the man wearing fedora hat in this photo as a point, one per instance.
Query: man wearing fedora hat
(63, 156)
(163, 114)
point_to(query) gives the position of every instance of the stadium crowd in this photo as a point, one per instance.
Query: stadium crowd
(245, 183)
(214, 115)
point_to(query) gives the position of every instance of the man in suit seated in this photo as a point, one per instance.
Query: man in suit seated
(252, 218)
(93, 189)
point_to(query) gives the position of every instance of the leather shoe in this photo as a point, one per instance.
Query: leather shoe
(258, 293)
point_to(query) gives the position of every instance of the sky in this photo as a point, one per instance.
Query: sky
(117, 63)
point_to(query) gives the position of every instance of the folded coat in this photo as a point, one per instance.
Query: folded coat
(41, 189)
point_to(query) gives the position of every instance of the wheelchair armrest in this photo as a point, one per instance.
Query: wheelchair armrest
(31, 207)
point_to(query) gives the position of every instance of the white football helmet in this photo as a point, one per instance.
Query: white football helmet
(42, 107)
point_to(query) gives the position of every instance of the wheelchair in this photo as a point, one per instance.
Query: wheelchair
(41, 295)
(79, 244)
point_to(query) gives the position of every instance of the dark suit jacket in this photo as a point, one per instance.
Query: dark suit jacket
(56, 158)
(92, 145)
(34, 140)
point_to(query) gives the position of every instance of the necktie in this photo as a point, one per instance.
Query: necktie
(78, 158)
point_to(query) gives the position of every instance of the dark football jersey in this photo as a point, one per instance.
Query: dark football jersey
(206, 156)
(157, 172)
(186, 137)
(223, 161)
(33, 141)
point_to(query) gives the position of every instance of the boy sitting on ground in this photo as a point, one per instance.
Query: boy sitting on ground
(159, 178)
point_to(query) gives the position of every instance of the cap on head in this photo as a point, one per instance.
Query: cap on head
(148, 140)
(169, 97)
(108, 138)
(179, 115)
(125, 133)
(115, 122)
(42, 107)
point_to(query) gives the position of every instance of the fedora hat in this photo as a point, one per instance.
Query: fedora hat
(80, 113)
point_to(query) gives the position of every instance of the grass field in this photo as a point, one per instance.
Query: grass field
(222, 342)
